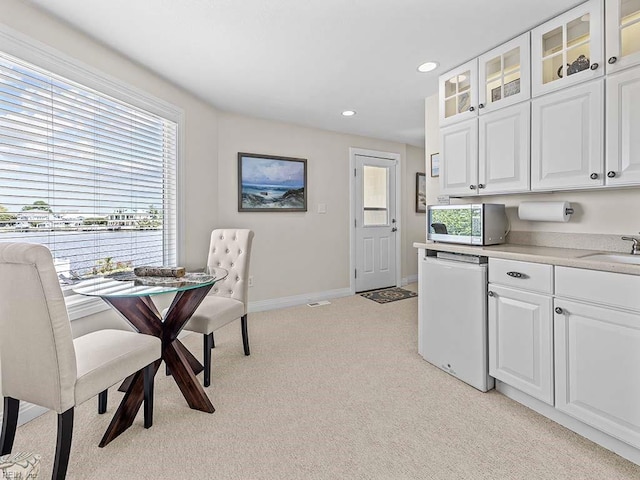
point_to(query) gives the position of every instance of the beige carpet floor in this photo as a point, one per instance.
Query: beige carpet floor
(332, 392)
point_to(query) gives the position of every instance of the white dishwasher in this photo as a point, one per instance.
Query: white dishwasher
(452, 324)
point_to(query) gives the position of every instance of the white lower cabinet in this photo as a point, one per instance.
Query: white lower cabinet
(521, 340)
(597, 367)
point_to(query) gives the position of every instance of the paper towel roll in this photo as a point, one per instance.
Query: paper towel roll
(545, 211)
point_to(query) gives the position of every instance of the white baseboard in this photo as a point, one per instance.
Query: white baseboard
(284, 302)
(610, 443)
(410, 279)
(28, 411)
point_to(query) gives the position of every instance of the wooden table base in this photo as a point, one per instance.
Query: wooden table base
(143, 315)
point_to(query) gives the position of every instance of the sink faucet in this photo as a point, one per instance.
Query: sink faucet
(635, 248)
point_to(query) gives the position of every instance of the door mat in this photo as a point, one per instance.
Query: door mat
(388, 295)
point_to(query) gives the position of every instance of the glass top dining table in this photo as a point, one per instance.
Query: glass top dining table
(131, 297)
(126, 284)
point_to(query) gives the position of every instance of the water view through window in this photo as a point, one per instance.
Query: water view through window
(90, 177)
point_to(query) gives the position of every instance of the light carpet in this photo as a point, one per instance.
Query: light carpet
(332, 392)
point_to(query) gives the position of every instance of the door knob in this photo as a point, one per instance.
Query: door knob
(394, 229)
(593, 176)
(594, 66)
(481, 185)
(612, 60)
(490, 293)
(481, 105)
(611, 174)
(472, 187)
(559, 311)
(471, 109)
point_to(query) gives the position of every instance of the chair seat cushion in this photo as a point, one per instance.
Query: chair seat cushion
(213, 313)
(20, 465)
(106, 357)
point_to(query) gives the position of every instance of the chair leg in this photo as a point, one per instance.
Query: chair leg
(63, 445)
(213, 342)
(245, 335)
(148, 373)
(207, 346)
(9, 424)
(102, 401)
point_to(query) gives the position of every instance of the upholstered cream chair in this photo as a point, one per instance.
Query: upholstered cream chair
(43, 364)
(227, 301)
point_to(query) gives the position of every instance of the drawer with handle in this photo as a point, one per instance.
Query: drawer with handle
(537, 277)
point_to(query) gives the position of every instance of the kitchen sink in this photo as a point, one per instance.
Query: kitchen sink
(614, 258)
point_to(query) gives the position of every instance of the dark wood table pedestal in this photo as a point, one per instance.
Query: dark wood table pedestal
(142, 313)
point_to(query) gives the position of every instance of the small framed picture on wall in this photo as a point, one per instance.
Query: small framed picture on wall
(421, 192)
(435, 164)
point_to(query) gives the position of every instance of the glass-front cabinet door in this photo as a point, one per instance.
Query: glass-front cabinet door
(458, 93)
(568, 49)
(504, 75)
(623, 34)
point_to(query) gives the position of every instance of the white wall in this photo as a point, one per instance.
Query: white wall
(304, 252)
(604, 211)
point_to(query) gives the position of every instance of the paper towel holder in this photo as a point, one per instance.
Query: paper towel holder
(568, 211)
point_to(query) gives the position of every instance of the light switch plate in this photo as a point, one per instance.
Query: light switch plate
(322, 208)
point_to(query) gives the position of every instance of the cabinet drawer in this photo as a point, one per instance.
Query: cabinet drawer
(617, 290)
(536, 277)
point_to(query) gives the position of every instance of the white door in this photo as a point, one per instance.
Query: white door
(567, 133)
(375, 223)
(504, 136)
(521, 341)
(459, 158)
(623, 125)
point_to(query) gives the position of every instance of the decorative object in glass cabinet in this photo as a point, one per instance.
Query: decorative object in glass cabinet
(457, 94)
(566, 49)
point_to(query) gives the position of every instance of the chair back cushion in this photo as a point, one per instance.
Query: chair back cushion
(36, 345)
(231, 250)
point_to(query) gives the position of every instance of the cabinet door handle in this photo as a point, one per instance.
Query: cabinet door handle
(481, 105)
(471, 109)
(611, 174)
(612, 60)
(491, 294)
(472, 187)
(594, 66)
(481, 185)
(559, 311)
(517, 275)
(593, 176)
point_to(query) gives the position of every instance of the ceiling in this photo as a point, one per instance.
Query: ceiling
(305, 61)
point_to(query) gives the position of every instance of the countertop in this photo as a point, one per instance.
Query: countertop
(566, 257)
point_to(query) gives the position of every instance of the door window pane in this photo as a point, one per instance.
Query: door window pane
(375, 199)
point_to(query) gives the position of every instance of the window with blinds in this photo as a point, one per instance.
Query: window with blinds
(87, 175)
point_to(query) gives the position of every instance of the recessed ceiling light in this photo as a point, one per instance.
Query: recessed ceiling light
(348, 113)
(427, 67)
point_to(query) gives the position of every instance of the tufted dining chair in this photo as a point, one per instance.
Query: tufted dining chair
(41, 362)
(227, 301)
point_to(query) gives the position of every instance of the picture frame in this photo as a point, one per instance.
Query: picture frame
(435, 164)
(269, 183)
(421, 192)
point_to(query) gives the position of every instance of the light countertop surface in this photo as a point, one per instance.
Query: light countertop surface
(567, 257)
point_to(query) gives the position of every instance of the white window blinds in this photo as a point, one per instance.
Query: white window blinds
(89, 176)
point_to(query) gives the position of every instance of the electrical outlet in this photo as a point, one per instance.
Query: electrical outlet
(251, 280)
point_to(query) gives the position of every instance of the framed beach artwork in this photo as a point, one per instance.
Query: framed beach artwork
(435, 164)
(421, 192)
(268, 183)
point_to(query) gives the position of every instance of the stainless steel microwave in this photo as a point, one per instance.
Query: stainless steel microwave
(475, 224)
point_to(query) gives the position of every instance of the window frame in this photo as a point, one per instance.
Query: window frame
(43, 56)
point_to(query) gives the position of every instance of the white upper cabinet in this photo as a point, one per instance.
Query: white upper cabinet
(504, 150)
(459, 150)
(623, 127)
(568, 49)
(623, 34)
(504, 75)
(567, 133)
(458, 93)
